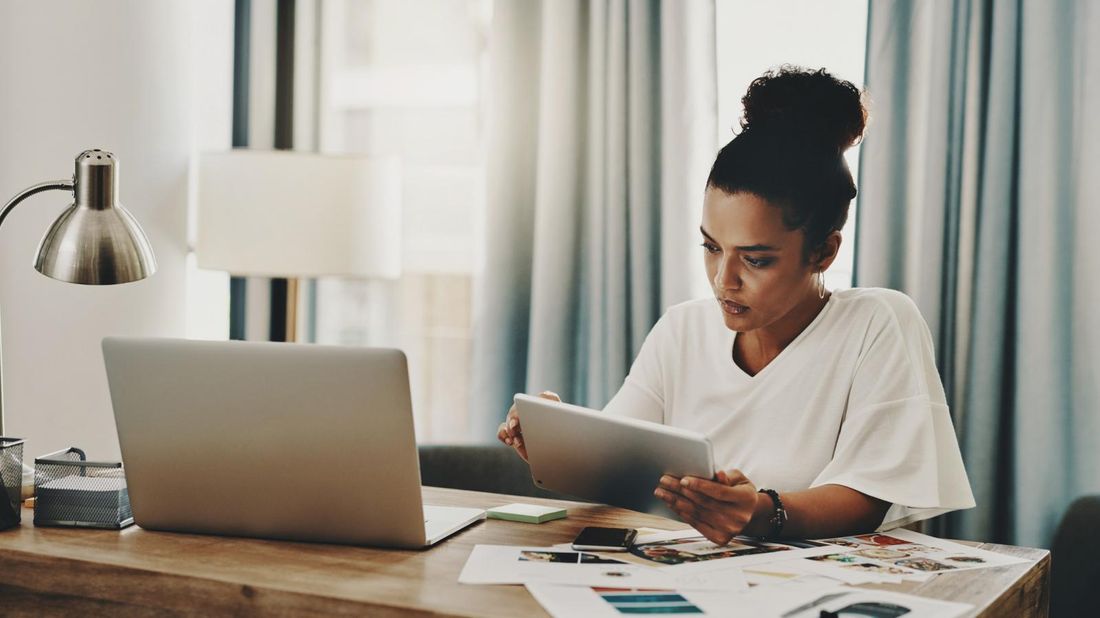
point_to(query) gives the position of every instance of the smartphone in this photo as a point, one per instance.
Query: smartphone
(605, 539)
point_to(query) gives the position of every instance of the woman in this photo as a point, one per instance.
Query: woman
(825, 409)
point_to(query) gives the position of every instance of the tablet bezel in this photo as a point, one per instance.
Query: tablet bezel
(605, 458)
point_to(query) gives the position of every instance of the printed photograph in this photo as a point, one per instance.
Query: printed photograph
(840, 558)
(549, 556)
(697, 549)
(966, 559)
(926, 565)
(567, 557)
(879, 540)
(846, 542)
(881, 553)
(594, 559)
(871, 567)
(657, 603)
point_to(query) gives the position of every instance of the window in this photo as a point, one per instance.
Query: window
(753, 36)
(406, 79)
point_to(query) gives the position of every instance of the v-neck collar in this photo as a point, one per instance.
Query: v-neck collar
(732, 339)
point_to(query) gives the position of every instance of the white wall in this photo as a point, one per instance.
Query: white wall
(118, 75)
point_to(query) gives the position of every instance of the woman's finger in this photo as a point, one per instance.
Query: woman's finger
(713, 533)
(732, 477)
(679, 504)
(699, 498)
(512, 427)
(551, 395)
(729, 514)
(699, 501)
(670, 493)
(722, 516)
(736, 493)
(704, 500)
(511, 422)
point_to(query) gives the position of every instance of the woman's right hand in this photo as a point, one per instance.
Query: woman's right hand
(510, 432)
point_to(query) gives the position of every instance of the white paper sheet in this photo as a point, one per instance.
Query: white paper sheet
(788, 601)
(572, 601)
(905, 554)
(801, 569)
(808, 601)
(507, 564)
(790, 557)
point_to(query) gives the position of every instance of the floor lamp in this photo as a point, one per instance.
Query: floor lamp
(298, 215)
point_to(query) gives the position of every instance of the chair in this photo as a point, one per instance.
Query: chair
(1075, 569)
(478, 467)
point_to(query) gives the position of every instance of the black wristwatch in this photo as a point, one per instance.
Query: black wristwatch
(779, 516)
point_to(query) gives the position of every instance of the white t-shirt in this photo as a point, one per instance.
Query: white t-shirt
(854, 400)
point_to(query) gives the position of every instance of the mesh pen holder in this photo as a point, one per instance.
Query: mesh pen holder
(71, 491)
(11, 473)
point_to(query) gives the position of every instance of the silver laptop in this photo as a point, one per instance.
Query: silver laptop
(274, 440)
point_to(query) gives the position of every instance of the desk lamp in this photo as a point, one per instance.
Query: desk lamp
(95, 241)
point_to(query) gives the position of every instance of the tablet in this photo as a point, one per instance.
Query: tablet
(606, 458)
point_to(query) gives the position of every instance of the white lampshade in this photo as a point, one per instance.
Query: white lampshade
(293, 214)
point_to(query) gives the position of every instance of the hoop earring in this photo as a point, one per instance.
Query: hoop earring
(821, 284)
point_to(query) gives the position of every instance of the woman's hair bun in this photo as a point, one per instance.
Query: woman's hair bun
(805, 104)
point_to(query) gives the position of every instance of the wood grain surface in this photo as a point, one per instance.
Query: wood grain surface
(135, 572)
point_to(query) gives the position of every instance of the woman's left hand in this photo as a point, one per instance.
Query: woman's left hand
(719, 508)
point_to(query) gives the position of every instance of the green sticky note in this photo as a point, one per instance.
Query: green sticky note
(527, 513)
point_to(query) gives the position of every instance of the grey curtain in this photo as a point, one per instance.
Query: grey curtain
(602, 126)
(980, 198)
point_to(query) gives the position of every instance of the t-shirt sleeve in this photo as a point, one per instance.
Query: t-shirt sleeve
(897, 442)
(642, 395)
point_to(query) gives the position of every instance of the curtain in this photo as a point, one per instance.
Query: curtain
(602, 127)
(979, 192)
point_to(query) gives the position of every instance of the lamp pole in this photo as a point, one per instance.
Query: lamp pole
(52, 185)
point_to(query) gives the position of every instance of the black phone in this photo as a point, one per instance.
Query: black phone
(605, 539)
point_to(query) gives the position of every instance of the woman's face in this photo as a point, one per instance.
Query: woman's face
(754, 263)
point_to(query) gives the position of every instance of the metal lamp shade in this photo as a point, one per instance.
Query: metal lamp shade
(95, 241)
(95, 247)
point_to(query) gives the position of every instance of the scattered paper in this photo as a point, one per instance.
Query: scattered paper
(505, 564)
(801, 570)
(680, 573)
(690, 551)
(796, 601)
(808, 601)
(902, 554)
(595, 602)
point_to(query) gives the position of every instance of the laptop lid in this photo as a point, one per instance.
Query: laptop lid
(274, 440)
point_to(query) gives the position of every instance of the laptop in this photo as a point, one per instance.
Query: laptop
(273, 440)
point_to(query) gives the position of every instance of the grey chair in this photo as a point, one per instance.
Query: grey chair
(1075, 569)
(478, 467)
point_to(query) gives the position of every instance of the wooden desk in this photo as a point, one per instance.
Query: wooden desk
(138, 573)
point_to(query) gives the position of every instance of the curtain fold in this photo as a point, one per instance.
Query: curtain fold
(975, 176)
(602, 124)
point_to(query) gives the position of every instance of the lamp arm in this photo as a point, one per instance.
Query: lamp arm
(29, 191)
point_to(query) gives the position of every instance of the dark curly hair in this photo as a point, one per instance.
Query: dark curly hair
(796, 126)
